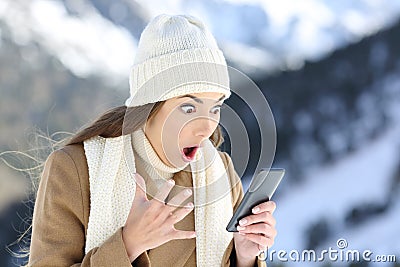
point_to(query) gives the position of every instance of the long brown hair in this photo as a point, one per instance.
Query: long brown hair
(125, 120)
(113, 123)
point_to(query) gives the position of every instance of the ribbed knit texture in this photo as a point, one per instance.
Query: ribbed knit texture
(149, 159)
(112, 187)
(167, 34)
(112, 166)
(149, 165)
(176, 55)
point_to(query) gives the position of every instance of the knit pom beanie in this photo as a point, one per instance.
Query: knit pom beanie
(176, 56)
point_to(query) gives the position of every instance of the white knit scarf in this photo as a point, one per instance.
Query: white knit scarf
(111, 165)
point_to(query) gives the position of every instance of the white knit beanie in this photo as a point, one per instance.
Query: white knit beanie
(176, 56)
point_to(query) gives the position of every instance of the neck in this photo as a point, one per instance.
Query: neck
(148, 158)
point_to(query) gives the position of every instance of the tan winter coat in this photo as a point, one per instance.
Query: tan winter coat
(61, 217)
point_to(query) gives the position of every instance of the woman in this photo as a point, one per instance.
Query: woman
(144, 184)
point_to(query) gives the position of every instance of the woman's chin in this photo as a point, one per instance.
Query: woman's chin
(179, 162)
(187, 159)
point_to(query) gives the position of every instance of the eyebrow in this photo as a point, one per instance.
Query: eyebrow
(198, 100)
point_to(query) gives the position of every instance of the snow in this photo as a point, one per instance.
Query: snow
(87, 45)
(378, 234)
(331, 191)
(272, 34)
(311, 29)
(283, 34)
(362, 176)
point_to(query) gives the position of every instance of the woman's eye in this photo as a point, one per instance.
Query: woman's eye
(188, 109)
(215, 110)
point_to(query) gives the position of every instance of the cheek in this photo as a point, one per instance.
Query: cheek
(215, 123)
(185, 133)
(171, 130)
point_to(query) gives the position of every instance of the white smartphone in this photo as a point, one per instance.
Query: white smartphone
(261, 189)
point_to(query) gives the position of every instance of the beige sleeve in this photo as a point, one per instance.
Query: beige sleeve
(58, 230)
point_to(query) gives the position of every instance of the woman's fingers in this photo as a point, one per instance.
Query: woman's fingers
(140, 187)
(268, 206)
(164, 191)
(177, 200)
(265, 217)
(157, 208)
(179, 234)
(257, 231)
(150, 223)
(179, 214)
(260, 229)
(140, 195)
(262, 241)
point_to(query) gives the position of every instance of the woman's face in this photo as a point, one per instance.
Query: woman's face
(178, 129)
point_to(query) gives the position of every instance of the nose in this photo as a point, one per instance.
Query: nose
(205, 127)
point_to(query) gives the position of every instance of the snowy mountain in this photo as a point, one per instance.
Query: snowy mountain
(366, 178)
(335, 95)
(87, 45)
(342, 115)
(99, 37)
(276, 35)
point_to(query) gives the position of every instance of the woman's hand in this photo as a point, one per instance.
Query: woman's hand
(256, 233)
(150, 223)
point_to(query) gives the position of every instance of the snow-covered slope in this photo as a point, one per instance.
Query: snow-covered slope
(255, 35)
(282, 34)
(362, 176)
(87, 45)
(331, 192)
(271, 34)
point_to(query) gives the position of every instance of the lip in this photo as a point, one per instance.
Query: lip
(191, 155)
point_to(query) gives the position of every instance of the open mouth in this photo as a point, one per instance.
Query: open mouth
(189, 153)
